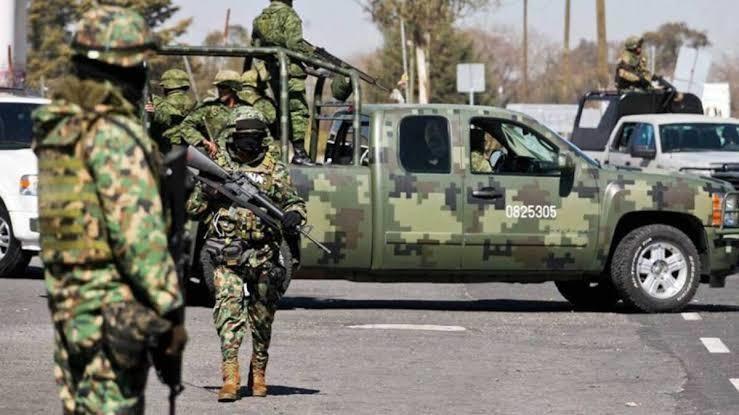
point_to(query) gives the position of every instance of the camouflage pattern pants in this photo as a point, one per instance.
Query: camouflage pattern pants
(90, 381)
(233, 312)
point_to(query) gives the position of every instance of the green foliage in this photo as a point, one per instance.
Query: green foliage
(51, 32)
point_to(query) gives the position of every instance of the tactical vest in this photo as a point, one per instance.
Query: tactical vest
(71, 220)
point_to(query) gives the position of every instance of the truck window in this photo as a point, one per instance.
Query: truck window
(693, 137)
(510, 148)
(644, 136)
(16, 126)
(425, 144)
(623, 138)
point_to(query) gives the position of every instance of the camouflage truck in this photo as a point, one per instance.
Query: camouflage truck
(397, 199)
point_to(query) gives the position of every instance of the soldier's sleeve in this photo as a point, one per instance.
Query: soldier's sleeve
(294, 35)
(190, 131)
(134, 217)
(197, 203)
(284, 193)
(267, 108)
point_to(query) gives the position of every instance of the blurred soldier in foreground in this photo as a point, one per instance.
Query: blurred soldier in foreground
(479, 157)
(279, 25)
(111, 281)
(631, 71)
(245, 250)
(202, 126)
(169, 111)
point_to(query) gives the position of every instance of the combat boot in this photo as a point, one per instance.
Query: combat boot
(256, 380)
(301, 157)
(231, 382)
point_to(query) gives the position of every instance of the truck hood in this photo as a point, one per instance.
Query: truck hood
(18, 162)
(666, 178)
(704, 160)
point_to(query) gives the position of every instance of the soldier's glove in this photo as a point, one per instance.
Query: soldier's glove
(291, 221)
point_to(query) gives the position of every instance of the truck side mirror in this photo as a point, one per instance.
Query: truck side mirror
(566, 165)
(644, 152)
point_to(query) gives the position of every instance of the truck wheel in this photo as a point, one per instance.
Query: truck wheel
(584, 295)
(655, 269)
(13, 261)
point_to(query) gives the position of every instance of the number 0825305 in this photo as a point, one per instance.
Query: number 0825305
(531, 211)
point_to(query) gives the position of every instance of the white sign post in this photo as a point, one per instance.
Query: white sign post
(471, 79)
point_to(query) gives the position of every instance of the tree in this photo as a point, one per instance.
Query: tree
(668, 39)
(51, 32)
(423, 21)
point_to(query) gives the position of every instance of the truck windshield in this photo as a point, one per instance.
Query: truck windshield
(694, 137)
(16, 126)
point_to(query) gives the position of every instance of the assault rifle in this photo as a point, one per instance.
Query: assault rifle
(332, 59)
(169, 367)
(240, 190)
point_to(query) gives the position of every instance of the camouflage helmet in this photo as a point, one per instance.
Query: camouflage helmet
(250, 78)
(174, 79)
(228, 79)
(113, 35)
(633, 43)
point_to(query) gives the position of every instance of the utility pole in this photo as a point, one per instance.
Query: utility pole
(226, 27)
(525, 50)
(566, 53)
(404, 46)
(600, 7)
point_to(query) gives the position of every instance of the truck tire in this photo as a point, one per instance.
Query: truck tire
(13, 260)
(587, 296)
(656, 268)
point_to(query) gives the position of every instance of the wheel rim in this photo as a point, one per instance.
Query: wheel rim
(4, 238)
(662, 270)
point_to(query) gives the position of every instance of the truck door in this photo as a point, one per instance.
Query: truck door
(522, 212)
(420, 201)
(619, 150)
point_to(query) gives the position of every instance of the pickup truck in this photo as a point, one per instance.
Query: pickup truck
(396, 198)
(695, 144)
(415, 210)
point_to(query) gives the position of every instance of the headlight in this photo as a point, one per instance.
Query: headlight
(731, 215)
(29, 185)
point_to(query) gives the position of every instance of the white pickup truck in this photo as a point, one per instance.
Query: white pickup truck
(19, 237)
(688, 143)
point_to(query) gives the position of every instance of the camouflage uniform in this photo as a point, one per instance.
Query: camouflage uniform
(211, 117)
(480, 164)
(258, 266)
(631, 70)
(103, 234)
(254, 93)
(279, 25)
(341, 88)
(170, 110)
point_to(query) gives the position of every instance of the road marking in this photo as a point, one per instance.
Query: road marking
(422, 327)
(715, 345)
(735, 382)
(692, 316)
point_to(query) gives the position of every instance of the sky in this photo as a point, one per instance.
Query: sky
(342, 27)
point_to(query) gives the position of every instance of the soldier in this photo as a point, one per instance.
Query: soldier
(254, 92)
(631, 71)
(111, 286)
(202, 126)
(169, 111)
(480, 163)
(279, 25)
(246, 251)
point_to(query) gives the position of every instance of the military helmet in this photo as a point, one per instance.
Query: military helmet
(174, 79)
(633, 43)
(247, 131)
(113, 35)
(250, 78)
(341, 88)
(228, 79)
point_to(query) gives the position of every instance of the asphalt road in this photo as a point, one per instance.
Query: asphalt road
(484, 349)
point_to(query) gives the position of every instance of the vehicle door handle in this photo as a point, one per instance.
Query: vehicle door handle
(487, 193)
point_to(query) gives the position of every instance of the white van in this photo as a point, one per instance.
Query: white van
(19, 237)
